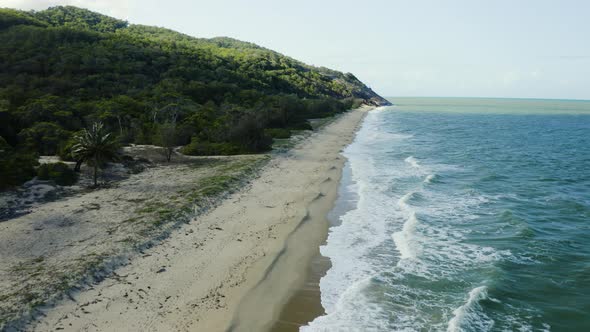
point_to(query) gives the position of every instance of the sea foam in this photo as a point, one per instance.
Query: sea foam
(404, 238)
(412, 161)
(429, 178)
(469, 317)
(401, 236)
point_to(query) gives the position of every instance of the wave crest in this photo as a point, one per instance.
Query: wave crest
(469, 316)
(412, 161)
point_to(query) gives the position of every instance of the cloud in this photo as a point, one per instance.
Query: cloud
(116, 8)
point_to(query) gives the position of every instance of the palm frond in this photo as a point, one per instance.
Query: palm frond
(94, 144)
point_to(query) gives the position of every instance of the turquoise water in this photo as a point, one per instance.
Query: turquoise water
(464, 215)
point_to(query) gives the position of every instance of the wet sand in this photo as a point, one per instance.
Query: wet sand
(305, 304)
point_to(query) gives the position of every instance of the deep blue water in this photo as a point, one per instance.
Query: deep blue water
(466, 215)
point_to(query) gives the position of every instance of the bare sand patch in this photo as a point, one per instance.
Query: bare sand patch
(70, 240)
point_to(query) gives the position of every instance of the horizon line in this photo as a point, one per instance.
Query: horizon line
(480, 97)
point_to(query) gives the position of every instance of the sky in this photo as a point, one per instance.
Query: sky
(448, 48)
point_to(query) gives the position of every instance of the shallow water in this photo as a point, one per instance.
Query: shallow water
(464, 215)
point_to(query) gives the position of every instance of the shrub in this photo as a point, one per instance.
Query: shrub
(278, 132)
(60, 173)
(210, 149)
(16, 167)
(64, 151)
(197, 148)
(303, 125)
(44, 137)
(248, 133)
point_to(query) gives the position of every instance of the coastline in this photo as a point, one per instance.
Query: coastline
(203, 277)
(305, 305)
(294, 276)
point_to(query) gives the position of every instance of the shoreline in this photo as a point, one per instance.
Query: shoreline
(202, 275)
(294, 275)
(305, 305)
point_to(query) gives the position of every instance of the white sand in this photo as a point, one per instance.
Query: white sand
(222, 268)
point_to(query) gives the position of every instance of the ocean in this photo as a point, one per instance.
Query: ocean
(463, 214)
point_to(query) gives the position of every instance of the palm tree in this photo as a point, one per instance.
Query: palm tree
(95, 146)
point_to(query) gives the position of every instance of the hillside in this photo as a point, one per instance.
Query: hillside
(65, 68)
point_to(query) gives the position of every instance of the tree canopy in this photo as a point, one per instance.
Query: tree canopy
(64, 68)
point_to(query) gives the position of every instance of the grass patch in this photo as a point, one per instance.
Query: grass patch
(151, 207)
(40, 283)
(226, 178)
(320, 123)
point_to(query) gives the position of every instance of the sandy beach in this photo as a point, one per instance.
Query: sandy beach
(233, 267)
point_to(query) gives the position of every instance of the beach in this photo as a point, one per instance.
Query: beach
(256, 246)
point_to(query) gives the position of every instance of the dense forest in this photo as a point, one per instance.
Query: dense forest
(65, 68)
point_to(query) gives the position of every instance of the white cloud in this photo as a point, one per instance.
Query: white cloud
(116, 8)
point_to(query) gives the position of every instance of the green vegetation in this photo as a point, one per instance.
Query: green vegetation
(278, 132)
(197, 148)
(166, 137)
(64, 68)
(16, 166)
(227, 177)
(95, 147)
(60, 173)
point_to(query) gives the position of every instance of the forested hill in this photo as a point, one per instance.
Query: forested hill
(64, 68)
